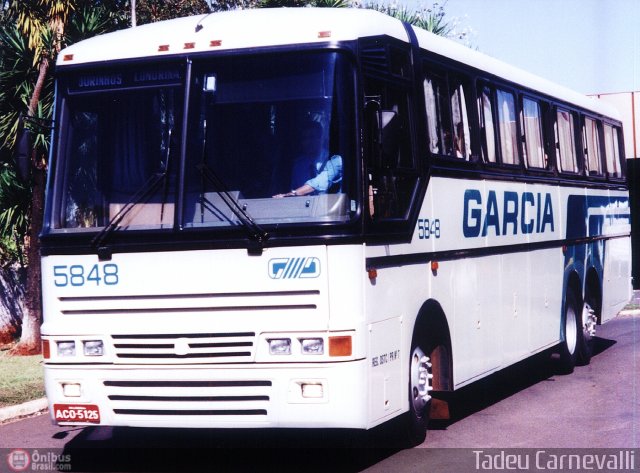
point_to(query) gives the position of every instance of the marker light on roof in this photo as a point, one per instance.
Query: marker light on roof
(189, 45)
(324, 34)
(163, 48)
(215, 43)
(67, 57)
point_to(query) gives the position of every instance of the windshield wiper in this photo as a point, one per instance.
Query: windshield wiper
(257, 235)
(141, 195)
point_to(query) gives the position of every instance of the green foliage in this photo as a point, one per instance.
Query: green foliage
(148, 11)
(34, 30)
(88, 22)
(25, 43)
(304, 3)
(17, 77)
(15, 198)
(431, 19)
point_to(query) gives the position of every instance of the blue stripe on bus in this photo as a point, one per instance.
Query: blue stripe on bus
(581, 225)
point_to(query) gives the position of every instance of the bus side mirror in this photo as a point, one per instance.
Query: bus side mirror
(23, 151)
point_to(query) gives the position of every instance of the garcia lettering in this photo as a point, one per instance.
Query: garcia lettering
(508, 213)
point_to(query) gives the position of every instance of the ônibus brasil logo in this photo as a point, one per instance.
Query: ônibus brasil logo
(294, 268)
(18, 460)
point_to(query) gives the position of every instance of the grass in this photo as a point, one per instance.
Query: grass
(21, 379)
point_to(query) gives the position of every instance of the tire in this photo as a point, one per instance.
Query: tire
(587, 326)
(579, 328)
(416, 420)
(568, 348)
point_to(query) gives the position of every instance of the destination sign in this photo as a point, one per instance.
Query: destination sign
(130, 78)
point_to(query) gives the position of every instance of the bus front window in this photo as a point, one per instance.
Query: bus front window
(118, 151)
(258, 126)
(268, 125)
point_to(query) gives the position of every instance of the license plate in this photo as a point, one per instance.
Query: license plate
(76, 413)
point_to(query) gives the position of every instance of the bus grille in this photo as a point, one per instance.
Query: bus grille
(181, 348)
(246, 398)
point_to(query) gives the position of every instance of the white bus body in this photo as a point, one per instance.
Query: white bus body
(358, 305)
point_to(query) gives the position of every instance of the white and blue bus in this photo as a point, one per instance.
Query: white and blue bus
(315, 218)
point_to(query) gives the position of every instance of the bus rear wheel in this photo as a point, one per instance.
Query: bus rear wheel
(588, 322)
(579, 329)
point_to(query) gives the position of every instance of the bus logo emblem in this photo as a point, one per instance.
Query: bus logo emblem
(294, 268)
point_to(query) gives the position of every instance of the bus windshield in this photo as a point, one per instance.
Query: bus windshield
(257, 128)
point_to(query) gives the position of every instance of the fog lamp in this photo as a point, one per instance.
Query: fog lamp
(312, 391)
(71, 390)
(66, 348)
(280, 346)
(93, 347)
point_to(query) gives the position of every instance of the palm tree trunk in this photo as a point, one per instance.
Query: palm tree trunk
(30, 340)
(11, 304)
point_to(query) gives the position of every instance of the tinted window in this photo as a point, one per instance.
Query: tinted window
(507, 127)
(592, 147)
(447, 117)
(612, 150)
(565, 141)
(485, 110)
(532, 134)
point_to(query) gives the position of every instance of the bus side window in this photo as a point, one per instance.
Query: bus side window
(565, 141)
(485, 111)
(533, 144)
(461, 134)
(507, 130)
(432, 91)
(612, 150)
(591, 139)
(447, 118)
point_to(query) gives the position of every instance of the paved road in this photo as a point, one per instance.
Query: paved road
(524, 406)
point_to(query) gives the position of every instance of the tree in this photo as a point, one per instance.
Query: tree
(431, 18)
(149, 11)
(34, 33)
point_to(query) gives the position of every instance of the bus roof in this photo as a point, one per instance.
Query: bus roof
(256, 28)
(235, 29)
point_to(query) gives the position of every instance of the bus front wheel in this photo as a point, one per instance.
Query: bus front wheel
(420, 387)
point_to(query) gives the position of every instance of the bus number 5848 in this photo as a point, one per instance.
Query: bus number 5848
(428, 228)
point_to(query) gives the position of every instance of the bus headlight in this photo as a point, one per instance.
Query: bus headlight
(67, 348)
(93, 348)
(312, 346)
(280, 346)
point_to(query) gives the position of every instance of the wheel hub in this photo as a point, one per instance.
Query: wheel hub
(421, 376)
(589, 321)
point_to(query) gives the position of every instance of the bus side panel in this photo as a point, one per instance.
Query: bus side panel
(476, 285)
(386, 389)
(616, 280)
(545, 288)
(393, 300)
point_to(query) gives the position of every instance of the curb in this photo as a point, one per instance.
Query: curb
(628, 312)
(11, 413)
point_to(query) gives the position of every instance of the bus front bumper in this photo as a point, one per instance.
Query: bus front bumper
(325, 395)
